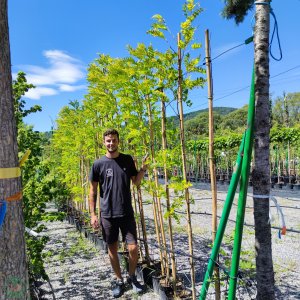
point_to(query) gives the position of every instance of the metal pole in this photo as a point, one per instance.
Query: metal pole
(223, 221)
(243, 194)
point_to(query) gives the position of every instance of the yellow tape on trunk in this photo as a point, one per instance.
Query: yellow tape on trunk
(24, 158)
(6, 173)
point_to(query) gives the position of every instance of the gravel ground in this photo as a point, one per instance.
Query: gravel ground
(78, 271)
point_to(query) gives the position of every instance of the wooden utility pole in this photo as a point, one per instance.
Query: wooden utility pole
(212, 165)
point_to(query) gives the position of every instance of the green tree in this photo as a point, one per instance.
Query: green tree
(198, 126)
(39, 184)
(20, 87)
(235, 121)
(286, 110)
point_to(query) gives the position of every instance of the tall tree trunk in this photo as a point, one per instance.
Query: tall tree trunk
(13, 269)
(261, 171)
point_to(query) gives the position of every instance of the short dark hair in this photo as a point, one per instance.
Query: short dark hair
(110, 132)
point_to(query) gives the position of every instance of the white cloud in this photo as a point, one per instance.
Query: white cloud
(71, 88)
(39, 92)
(61, 75)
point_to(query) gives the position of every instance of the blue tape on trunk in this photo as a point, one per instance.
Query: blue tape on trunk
(2, 211)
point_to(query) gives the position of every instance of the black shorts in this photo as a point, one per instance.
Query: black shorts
(111, 226)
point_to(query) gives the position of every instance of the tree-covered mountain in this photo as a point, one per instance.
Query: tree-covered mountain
(188, 116)
(285, 112)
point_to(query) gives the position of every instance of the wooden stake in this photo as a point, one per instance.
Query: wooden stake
(142, 216)
(212, 166)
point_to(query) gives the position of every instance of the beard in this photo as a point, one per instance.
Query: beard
(112, 150)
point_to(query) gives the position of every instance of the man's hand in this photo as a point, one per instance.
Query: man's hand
(94, 222)
(145, 162)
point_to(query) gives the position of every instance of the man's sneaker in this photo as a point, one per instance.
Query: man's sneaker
(117, 288)
(136, 286)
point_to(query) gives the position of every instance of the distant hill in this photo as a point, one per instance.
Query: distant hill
(223, 111)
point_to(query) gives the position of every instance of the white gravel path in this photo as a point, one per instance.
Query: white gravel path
(78, 271)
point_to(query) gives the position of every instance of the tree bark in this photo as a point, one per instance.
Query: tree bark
(261, 170)
(13, 269)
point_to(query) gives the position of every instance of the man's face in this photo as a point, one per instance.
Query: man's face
(111, 142)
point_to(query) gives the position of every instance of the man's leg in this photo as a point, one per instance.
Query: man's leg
(129, 234)
(114, 259)
(110, 231)
(133, 258)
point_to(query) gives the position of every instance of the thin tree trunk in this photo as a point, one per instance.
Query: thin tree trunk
(261, 171)
(164, 147)
(13, 268)
(184, 171)
(164, 255)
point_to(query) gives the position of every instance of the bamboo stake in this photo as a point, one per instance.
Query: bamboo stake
(164, 255)
(136, 209)
(164, 147)
(136, 212)
(140, 202)
(212, 166)
(188, 213)
(142, 216)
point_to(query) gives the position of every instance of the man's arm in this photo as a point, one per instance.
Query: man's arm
(92, 203)
(138, 178)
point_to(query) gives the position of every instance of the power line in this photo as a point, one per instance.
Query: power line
(246, 42)
(242, 89)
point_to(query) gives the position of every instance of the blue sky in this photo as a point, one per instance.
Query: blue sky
(54, 41)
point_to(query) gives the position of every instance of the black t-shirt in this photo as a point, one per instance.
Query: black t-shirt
(113, 175)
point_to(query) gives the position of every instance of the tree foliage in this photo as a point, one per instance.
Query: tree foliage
(237, 9)
(286, 110)
(39, 185)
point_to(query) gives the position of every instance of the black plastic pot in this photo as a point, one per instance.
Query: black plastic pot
(78, 224)
(166, 290)
(91, 236)
(85, 231)
(99, 242)
(158, 289)
(71, 220)
(145, 272)
(297, 186)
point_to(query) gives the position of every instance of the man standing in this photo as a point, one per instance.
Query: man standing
(113, 173)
